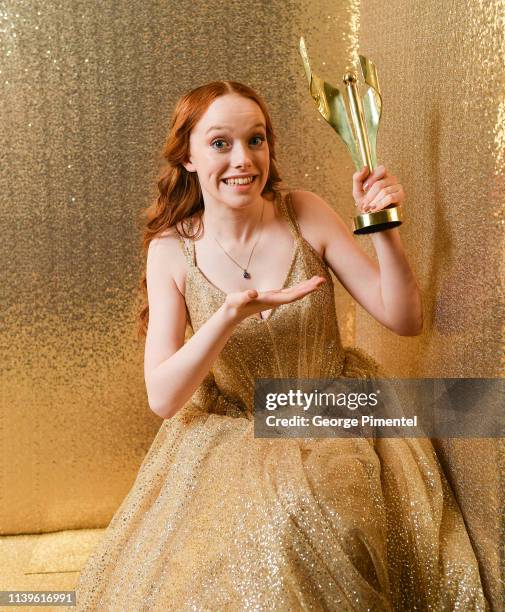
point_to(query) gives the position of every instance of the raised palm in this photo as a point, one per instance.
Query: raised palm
(250, 302)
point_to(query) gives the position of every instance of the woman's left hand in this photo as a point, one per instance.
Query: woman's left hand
(377, 191)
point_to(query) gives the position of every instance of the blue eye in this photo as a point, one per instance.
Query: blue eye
(261, 139)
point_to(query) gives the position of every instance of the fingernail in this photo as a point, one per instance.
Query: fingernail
(365, 186)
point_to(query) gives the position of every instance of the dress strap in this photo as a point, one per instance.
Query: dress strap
(188, 246)
(287, 209)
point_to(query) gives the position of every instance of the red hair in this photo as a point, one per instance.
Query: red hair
(180, 194)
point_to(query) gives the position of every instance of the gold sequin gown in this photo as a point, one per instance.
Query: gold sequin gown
(219, 520)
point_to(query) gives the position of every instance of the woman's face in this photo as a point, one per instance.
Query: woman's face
(230, 140)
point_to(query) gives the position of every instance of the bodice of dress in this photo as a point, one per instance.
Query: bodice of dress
(297, 340)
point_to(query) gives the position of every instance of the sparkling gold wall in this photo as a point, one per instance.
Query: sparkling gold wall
(443, 134)
(87, 89)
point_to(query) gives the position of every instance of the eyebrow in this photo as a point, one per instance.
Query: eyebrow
(223, 127)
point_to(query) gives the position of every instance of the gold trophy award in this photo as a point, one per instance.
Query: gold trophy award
(359, 132)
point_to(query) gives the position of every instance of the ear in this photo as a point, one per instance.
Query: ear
(189, 166)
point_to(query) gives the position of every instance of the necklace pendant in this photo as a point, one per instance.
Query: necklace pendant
(246, 274)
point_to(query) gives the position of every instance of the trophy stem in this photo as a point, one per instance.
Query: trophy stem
(358, 121)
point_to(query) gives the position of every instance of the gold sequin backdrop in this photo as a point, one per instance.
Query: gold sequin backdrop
(87, 91)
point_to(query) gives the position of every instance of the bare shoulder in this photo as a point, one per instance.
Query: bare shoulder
(311, 208)
(166, 253)
(318, 221)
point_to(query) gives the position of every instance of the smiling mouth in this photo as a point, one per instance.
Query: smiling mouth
(240, 184)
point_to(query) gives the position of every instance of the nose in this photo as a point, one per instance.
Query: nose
(240, 157)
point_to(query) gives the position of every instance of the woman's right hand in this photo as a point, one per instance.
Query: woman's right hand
(243, 304)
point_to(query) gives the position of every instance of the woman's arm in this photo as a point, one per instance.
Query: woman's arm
(386, 288)
(172, 383)
(173, 370)
(400, 292)
(399, 288)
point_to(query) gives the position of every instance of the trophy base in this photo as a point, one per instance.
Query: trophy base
(368, 223)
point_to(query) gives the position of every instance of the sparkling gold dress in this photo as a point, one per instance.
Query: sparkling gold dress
(219, 520)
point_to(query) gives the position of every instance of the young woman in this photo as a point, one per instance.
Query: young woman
(218, 519)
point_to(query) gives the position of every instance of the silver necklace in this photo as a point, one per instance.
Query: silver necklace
(245, 273)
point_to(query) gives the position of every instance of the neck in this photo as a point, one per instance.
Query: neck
(234, 225)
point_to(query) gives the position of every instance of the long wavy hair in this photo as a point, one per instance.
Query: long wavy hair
(180, 195)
